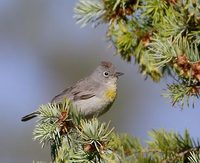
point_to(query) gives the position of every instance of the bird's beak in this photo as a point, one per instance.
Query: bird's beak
(119, 74)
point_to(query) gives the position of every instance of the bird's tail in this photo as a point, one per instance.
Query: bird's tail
(30, 116)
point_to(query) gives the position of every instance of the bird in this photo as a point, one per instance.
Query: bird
(93, 95)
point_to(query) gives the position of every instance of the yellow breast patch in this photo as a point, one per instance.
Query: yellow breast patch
(111, 93)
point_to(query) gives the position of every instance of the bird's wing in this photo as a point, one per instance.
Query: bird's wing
(82, 90)
(58, 98)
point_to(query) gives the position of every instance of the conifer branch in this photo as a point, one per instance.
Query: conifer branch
(75, 139)
(89, 11)
(163, 37)
(195, 157)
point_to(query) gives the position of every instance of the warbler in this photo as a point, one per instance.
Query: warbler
(93, 95)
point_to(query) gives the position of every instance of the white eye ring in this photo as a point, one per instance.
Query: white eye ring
(106, 73)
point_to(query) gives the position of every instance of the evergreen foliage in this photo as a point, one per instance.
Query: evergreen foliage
(162, 36)
(75, 139)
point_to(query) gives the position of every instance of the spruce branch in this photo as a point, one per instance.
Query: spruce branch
(181, 93)
(163, 52)
(159, 35)
(194, 158)
(92, 132)
(155, 9)
(174, 146)
(75, 139)
(55, 120)
(89, 11)
(47, 131)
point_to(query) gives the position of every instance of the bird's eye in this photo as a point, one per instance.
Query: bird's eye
(105, 74)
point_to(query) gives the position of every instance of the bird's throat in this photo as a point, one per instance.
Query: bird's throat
(111, 93)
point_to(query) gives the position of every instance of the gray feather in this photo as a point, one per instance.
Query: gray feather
(82, 90)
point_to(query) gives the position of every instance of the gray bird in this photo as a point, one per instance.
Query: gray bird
(93, 95)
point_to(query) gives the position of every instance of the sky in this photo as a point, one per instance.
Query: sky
(43, 51)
